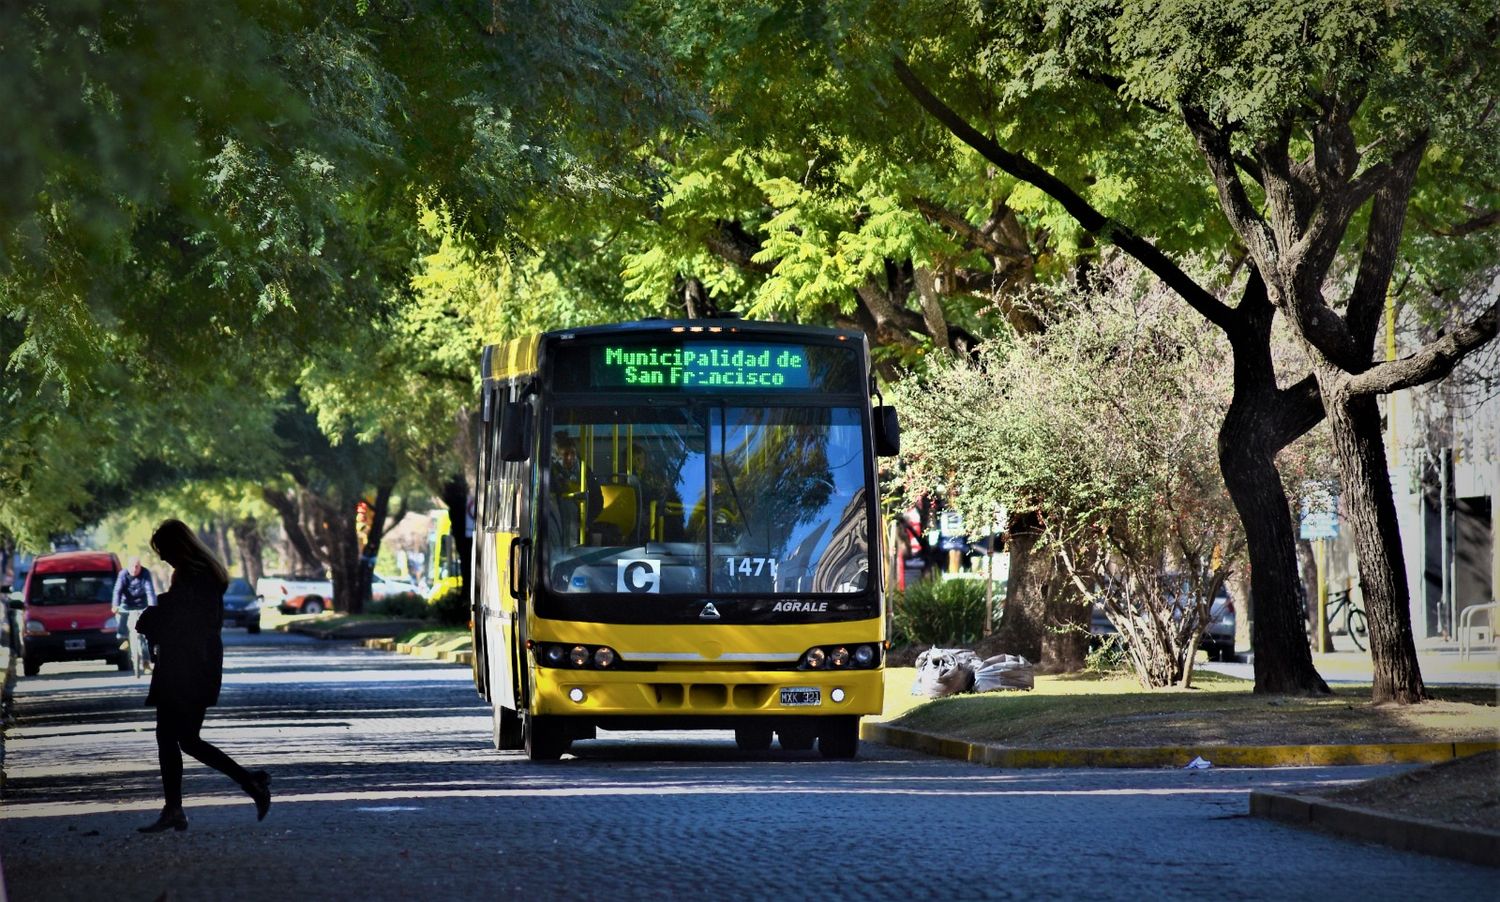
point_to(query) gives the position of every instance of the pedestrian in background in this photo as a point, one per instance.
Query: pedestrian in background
(185, 628)
(135, 591)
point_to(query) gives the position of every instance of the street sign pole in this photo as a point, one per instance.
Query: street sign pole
(1325, 642)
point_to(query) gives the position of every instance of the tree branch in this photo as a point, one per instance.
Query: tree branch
(1382, 240)
(1213, 143)
(1081, 210)
(1433, 361)
(1299, 407)
(731, 241)
(975, 236)
(1476, 223)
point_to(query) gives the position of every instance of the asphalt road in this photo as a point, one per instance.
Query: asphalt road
(385, 788)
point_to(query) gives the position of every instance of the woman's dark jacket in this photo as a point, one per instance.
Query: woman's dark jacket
(184, 626)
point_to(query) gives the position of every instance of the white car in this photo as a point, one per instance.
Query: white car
(385, 586)
(292, 595)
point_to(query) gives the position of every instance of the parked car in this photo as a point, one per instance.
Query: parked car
(1217, 638)
(241, 606)
(386, 586)
(295, 594)
(65, 611)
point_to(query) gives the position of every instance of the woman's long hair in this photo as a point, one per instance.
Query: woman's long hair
(178, 545)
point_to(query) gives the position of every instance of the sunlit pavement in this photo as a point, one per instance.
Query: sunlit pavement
(1440, 667)
(386, 788)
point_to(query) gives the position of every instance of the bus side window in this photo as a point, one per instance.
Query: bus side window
(489, 463)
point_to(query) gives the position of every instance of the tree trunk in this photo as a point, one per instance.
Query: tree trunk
(1371, 511)
(336, 533)
(1025, 615)
(1067, 618)
(248, 544)
(1283, 660)
(302, 558)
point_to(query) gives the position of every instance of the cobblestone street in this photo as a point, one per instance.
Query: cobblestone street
(385, 787)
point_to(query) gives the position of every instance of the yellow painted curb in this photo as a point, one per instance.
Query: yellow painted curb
(1175, 756)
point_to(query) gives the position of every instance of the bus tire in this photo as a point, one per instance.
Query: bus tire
(839, 737)
(507, 729)
(797, 738)
(313, 605)
(545, 740)
(753, 739)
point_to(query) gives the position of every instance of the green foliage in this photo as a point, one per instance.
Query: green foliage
(1103, 424)
(942, 612)
(406, 604)
(228, 198)
(1108, 657)
(450, 608)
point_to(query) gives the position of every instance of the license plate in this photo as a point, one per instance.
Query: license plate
(73, 644)
(800, 697)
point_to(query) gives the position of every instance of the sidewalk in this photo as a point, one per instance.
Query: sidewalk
(1441, 666)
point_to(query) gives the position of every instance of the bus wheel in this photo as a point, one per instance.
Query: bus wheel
(752, 739)
(798, 738)
(839, 737)
(31, 665)
(313, 605)
(507, 728)
(545, 740)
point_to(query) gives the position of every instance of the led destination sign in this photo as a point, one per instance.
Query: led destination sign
(690, 366)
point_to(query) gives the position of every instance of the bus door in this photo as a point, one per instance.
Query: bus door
(505, 551)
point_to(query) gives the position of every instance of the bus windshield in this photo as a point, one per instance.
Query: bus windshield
(706, 499)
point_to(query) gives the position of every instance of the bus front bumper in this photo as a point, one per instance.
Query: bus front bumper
(708, 693)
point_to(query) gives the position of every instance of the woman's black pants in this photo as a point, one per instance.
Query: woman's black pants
(177, 732)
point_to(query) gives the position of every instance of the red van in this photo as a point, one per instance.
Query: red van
(67, 615)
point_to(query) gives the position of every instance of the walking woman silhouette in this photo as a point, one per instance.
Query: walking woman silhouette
(184, 626)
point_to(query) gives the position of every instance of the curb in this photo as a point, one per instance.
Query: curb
(433, 652)
(357, 630)
(1411, 834)
(7, 684)
(1176, 756)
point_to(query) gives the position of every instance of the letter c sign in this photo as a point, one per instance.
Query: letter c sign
(638, 575)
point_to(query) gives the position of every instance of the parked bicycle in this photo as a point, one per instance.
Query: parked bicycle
(1354, 623)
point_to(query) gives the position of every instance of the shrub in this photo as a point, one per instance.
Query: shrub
(1108, 657)
(939, 612)
(450, 608)
(406, 604)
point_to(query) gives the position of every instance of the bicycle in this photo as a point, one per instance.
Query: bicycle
(1356, 626)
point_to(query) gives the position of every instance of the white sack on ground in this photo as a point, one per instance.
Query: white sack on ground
(944, 671)
(1004, 672)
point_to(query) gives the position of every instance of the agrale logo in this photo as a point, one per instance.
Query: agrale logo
(800, 607)
(709, 612)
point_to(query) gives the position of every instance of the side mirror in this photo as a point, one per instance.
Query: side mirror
(515, 431)
(887, 431)
(15, 604)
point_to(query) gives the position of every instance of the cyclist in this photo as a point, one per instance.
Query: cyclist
(135, 591)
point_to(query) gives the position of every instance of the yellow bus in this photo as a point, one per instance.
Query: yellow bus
(677, 529)
(441, 570)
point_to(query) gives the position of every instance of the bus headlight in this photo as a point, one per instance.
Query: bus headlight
(840, 657)
(596, 657)
(35, 628)
(110, 625)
